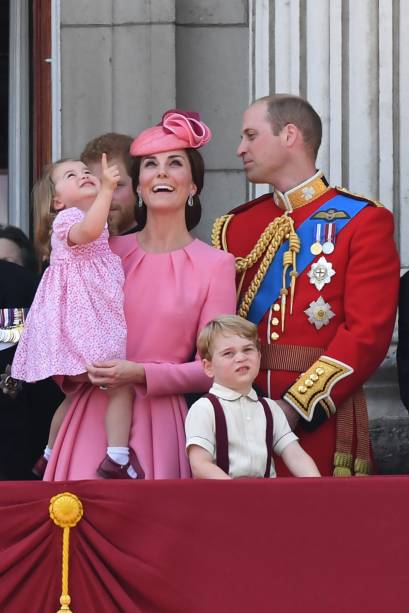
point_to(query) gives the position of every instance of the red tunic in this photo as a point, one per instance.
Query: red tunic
(362, 294)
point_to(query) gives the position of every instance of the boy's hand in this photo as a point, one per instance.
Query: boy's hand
(110, 174)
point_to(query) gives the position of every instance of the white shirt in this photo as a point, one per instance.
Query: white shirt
(246, 430)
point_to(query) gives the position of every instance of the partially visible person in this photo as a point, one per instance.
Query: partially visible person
(231, 433)
(318, 272)
(16, 247)
(25, 409)
(77, 315)
(402, 354)
(121, 218)
(174, 284)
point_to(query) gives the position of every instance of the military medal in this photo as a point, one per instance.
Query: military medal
(11, 324)
(329, 244)
(316, 247)
(321, 273)
(319, 313)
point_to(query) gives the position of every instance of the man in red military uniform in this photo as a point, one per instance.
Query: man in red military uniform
(318, 272)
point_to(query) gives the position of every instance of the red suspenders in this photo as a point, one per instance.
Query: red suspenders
(222, 441)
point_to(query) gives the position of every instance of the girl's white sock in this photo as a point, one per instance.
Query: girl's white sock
(47, 452)
(120, 455)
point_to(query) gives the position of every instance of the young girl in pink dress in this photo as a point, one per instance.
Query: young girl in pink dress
(77, 316)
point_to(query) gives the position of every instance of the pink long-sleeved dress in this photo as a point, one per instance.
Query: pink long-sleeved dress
(169, 297)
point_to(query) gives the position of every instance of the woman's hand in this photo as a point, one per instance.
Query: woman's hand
(115, 373)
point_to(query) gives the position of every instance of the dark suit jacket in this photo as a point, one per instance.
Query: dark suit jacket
(403, 342)
(24, 420)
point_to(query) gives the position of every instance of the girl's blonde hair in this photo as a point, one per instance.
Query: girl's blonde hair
(225, 325)
(43, 212)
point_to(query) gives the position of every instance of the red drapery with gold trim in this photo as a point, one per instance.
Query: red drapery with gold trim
(288, 545)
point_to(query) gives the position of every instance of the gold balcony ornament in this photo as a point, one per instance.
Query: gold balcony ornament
(66, 511)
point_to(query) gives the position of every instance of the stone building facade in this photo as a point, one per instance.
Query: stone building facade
(118, 64)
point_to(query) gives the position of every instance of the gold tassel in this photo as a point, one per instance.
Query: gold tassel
(293, 275)
(287, 261)
(343, 463)
(66, 511)
(362, 468)
(283, 293)
(294, 246)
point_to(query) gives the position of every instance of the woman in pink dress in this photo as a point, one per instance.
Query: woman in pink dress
(77, 315)
(174, 284)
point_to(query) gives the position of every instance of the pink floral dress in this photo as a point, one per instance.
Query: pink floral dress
(77, 316)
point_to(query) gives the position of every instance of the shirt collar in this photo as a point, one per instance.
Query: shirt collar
(301, 194)
(225, 393)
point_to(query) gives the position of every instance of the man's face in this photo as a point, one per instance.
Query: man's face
(121, 216)
(263, 153)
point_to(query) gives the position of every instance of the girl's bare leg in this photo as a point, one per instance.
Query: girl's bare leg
(40, 466)
(57, 420)
(118, 416)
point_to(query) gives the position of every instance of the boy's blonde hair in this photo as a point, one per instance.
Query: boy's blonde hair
(225, 325)
(43, 212)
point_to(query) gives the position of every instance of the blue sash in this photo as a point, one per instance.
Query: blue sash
(271, 285)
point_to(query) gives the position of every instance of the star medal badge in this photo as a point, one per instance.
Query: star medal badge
(321, 273)
(319, 313)
(329, 243)
(316, 247)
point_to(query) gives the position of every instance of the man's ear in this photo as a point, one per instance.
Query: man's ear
(58, 205)
(290, 134)
(207, 367)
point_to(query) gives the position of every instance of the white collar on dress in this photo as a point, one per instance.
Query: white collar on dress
(228, 394)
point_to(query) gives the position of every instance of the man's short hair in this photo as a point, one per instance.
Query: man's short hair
(283, 109)
(225, 325)
(113, 144)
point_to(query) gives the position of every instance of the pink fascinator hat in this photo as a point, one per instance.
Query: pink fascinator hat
(177, 130)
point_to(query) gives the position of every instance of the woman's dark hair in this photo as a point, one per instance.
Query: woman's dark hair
(192, 213)
(17, 236)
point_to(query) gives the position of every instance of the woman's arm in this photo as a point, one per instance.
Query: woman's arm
(202, 465)
(93, 223)
(163, 379)
(160, 379)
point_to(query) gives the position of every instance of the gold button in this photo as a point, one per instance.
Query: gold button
(276, 307)
(302, 389)
(275, 321)
(308, 383)
(314, 377)
(320, 371)
(275, 336)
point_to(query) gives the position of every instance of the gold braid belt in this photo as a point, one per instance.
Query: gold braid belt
(279, 230)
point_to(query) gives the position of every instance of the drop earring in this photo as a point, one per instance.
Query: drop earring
(190, 200)
(140, 201)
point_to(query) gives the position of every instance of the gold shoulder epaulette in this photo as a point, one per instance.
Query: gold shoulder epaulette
(342, 190)
(219, 231)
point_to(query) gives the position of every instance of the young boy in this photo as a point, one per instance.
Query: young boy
(121, 219)
(230, 433)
